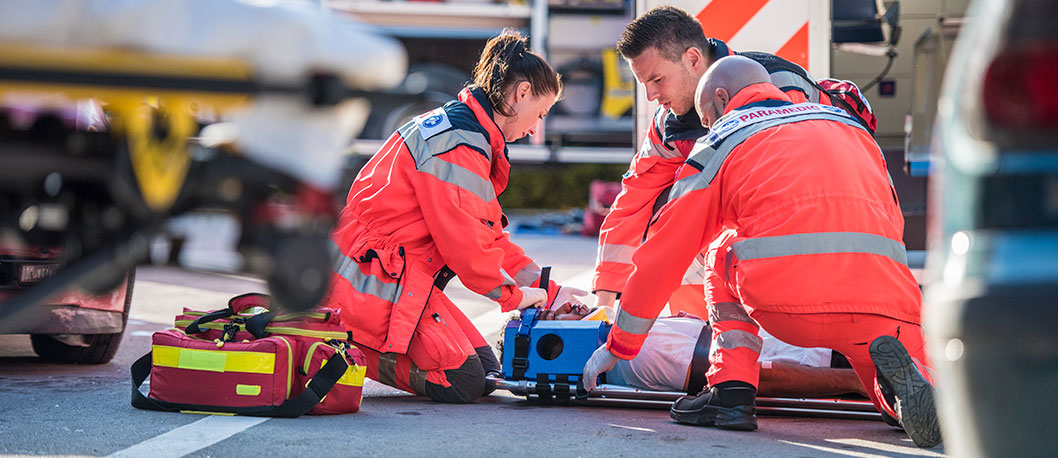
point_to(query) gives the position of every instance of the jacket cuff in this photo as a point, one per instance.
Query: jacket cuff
(509, 298)
(607, 281)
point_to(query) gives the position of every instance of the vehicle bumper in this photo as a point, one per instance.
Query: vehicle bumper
(995, 353)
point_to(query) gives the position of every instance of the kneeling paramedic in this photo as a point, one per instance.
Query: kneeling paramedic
(424, 209)
(817, 258)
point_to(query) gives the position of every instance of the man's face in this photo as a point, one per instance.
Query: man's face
(669, 83)
(567, 311)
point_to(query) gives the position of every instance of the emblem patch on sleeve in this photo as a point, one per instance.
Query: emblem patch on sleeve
(433, 122)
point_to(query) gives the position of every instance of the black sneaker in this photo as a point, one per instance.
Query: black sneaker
(899, 379)
(730, 405)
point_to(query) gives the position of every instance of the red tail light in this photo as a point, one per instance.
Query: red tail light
(1021, 88)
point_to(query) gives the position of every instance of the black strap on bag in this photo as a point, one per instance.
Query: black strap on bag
(296, 406)
(700, 361)
(215, 315)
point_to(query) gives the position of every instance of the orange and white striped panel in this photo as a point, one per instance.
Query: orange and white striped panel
(797, 30)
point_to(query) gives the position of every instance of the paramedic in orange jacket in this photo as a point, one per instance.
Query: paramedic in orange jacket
(424, 209)
(668, 53)
(816, 260)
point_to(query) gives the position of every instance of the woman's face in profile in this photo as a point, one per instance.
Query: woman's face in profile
(528, 111)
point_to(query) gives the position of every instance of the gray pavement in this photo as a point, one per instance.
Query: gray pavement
(84, 410)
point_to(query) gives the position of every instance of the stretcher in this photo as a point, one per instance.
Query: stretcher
(544, 360)
(606, 395)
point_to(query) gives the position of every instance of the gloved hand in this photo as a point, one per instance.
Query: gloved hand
(568, 295)
(601, 361)
(532, 297)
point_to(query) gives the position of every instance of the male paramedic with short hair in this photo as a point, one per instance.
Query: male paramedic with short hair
(817, 259)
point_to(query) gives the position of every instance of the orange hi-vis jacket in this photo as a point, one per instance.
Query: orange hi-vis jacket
(425, 201)
(653, 170)
(819, 228)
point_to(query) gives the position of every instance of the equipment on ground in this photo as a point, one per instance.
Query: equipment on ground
(249, 360)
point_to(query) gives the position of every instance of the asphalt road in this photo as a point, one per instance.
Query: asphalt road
(48, 409)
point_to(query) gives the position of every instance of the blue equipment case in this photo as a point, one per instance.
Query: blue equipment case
(550, 351)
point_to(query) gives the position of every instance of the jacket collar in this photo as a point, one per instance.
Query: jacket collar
(478, 102)
(755, 93)
(718, 49)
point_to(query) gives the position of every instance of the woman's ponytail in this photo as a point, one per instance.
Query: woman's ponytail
(507, 60)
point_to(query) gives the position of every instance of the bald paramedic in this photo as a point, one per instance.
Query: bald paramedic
(668, 52)
(816, 258)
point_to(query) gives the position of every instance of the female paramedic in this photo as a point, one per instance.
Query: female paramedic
(424, 209)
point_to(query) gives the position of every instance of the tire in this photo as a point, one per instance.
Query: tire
(101, 347)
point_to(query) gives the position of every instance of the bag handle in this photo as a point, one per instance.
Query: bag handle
(193, 327)
(255, 324)
(296, 406)
(244, 301)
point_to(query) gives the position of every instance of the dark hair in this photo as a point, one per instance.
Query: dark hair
(669, 29)
(507, 61)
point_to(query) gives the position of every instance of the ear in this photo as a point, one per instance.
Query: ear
(722, 97)
(522, 91)
(694, 58)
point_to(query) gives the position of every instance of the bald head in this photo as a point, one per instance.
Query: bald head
(723, 80)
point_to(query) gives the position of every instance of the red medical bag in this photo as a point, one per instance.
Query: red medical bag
(248, 360)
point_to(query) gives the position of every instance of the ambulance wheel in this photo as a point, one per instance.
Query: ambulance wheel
(85, 348)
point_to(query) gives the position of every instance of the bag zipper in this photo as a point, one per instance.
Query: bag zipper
(308, 357)
(282, 330)
(290, 364)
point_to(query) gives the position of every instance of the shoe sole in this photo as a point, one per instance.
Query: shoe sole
(915, 406)
(743, 418)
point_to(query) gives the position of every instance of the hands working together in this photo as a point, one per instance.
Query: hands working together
(537, 297)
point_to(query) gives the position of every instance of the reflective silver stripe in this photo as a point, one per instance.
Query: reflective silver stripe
(615, 253)
(387, 369)
(423, 149)
(820, 243)
(729, 311)
(633, 324)
(650, 148)
(528, 275)
(695, 274)
(737, 338)
(367, 284)
(417, 379)
(785, 78)
(459, 176)
(711, 157)
(495, 294)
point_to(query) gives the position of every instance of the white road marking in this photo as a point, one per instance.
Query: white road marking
(633, 428)
(191, 437)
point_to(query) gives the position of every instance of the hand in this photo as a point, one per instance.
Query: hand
(568, 295)
(532, 297)
(605, 298)
(601, 361)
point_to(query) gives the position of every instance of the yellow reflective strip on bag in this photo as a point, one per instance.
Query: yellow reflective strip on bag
(353, 376)
(290, 331)
(248, 390)
(203, 412)
(214, 360)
